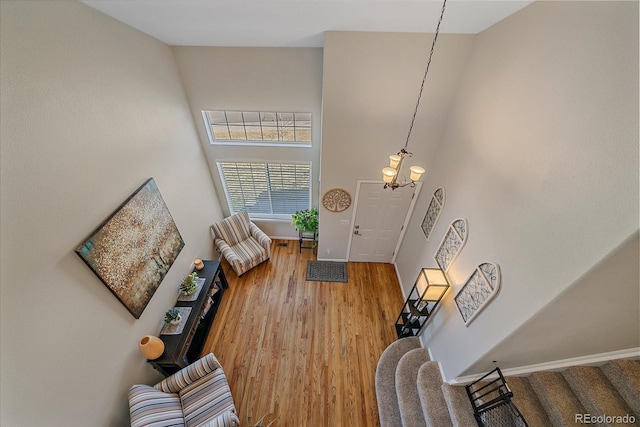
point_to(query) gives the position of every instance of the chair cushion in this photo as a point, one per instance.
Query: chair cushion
(233, 229)
(206, 398)
(151, 407)
(250, 252)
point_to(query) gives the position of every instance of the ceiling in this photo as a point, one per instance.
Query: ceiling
(296, 23)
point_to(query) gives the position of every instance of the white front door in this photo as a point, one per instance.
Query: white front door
(379, 217)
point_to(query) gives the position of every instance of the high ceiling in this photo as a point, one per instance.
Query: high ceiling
(296, 23)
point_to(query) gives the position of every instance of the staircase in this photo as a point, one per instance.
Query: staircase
(580, 395)
(410, 392)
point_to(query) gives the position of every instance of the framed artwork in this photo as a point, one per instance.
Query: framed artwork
(433, 212)
(452, 243)
(481, 287)
(132, 250)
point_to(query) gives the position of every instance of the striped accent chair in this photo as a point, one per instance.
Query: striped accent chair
(241, 242)
(197, 395)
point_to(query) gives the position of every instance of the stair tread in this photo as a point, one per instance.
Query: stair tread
(624, 375)
(407, 387)
(388, 408)
(556, 397)
(459, 406)
(595, 392)
(429, 385)
(525, 399)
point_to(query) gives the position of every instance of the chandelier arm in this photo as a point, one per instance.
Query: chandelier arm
(426, 71)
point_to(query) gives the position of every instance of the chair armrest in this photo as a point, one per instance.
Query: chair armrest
(213, 233)
(228, 253)
(225, 419)
(188, 375)
(148, 405)
(261, 237)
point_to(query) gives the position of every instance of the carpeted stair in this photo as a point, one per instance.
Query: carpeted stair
(410, 392)
(561, 398)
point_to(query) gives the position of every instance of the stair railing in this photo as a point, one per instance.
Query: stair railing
(491, 401)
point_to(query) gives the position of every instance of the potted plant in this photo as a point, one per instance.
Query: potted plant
(172, 316)
(306, 220)
(189, 285)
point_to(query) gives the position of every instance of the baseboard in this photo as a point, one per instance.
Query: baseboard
(331, 259)
(558, 365)
(395, 266)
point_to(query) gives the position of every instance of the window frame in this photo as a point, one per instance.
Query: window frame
(268, 216)
(258, 143)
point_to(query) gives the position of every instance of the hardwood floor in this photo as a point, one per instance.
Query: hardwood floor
(305, 353)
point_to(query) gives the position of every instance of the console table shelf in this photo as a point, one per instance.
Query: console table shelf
(182, 349)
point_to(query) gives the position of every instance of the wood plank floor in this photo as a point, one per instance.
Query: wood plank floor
(305, 353)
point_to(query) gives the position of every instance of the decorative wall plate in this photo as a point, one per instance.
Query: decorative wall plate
(433, 212)
(336, 200)
(481, 287)
(452, 243)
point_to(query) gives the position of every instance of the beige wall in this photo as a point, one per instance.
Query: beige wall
(595, 316)
(255, 79)
(540, 154)
(538, 151)
(90, 109)
(370, 87)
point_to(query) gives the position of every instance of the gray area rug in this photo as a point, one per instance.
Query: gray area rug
(326, 271)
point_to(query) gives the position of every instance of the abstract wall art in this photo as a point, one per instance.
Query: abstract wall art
(336, 200)
(481, 287)
(452, 243)
(133, 249)
(433, 212)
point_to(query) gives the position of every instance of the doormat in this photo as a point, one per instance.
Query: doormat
(326, 271)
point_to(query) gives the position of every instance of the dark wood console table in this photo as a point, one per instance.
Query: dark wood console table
(182, 349)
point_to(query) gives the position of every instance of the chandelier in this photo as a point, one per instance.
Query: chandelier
(390, 173)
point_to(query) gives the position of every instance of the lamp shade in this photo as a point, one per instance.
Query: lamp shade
(388, 174)
(151, 347)
(431, 284)
(416, 173)
(394, 159)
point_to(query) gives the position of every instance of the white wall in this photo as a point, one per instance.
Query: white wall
(255, 79)
(90, 109)
(370, 87)
(540, 154)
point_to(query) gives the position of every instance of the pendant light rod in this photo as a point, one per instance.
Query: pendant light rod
(426, 71)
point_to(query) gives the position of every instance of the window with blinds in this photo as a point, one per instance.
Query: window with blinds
(266, 190)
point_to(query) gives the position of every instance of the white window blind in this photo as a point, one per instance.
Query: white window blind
(266, 189)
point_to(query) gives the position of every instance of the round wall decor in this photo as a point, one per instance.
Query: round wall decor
(336, 200)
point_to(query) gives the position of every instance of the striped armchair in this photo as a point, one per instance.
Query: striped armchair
(197, 395)
(241, 242)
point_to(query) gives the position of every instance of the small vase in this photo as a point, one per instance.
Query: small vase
(151, 347)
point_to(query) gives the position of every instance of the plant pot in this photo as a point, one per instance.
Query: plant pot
(176, 321)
